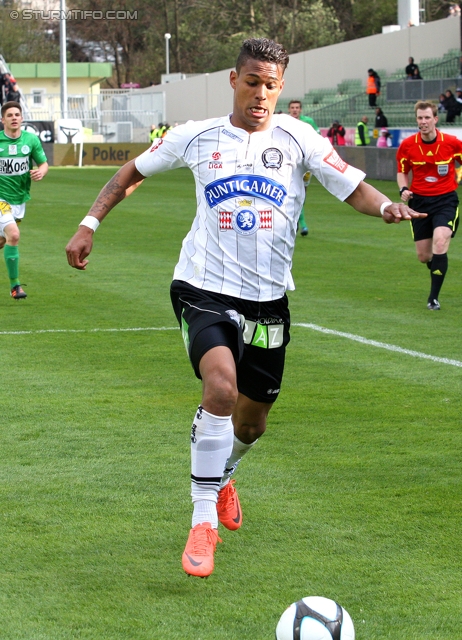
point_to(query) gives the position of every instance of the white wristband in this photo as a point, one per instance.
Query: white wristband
(91, 222)
(383, 206)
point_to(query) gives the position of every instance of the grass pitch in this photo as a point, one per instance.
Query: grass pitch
(353, 493)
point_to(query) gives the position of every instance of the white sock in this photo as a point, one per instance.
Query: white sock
(211, 445)
(238, 452)
(205, 511)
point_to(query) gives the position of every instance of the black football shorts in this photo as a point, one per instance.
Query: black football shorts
(443, 211)
(256, 332)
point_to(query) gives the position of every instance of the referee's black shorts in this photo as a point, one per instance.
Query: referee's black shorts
(443, 211)
(256, 332)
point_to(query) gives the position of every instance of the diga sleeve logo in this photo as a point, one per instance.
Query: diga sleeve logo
(157, 145)
(335, 161)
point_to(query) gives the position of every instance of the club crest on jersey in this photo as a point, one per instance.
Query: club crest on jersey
(25, 149)
(252, 186)
(246, 219)
(443, 169)
(272, 158)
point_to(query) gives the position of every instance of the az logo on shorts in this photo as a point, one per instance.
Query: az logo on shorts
(264, 336)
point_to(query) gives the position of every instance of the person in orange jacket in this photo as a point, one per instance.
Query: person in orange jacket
(373, 87)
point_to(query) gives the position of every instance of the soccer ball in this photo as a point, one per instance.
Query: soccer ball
(315, 618)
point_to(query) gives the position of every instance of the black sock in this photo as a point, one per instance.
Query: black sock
(439, 267)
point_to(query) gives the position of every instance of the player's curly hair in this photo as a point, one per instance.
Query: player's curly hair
(262, 49)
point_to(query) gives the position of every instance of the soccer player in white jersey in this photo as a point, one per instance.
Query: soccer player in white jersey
(229, 285)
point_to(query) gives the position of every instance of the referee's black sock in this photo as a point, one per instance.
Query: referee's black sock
(439, 267)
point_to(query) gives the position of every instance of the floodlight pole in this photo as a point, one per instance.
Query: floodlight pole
(63, 58)
(167, 53)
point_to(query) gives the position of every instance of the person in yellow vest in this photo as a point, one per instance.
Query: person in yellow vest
(164, 129)
(362, 133)
(154, 133)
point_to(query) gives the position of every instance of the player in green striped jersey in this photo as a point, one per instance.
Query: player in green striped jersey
(18, 149)
(295, 110)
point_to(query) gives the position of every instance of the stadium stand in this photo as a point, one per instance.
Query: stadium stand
(348, 101)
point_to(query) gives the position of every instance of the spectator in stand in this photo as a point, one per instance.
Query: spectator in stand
(384, 139)
(373, 87)
(441, 107)
(336, 134)
(13, 94)
(451, 106)
(2, 84)
(459, 95)
(411, 67)
(381, 120)
(7, 82)
(454, 11)
(416, 75)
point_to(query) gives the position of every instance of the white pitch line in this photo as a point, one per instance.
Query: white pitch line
(314, 327)
(380, 345)
(20, 333)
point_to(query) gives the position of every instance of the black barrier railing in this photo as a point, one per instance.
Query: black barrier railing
(413, 90)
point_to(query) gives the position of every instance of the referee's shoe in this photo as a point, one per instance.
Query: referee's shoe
(433, 305)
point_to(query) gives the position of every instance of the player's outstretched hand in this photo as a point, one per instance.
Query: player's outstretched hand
(79, 247)
(398, 211)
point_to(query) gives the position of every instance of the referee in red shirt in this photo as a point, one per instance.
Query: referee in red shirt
(431, 156)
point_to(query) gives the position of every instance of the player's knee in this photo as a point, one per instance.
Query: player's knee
(12, 234)
(424, 255)
(219, 395)
(258, 428)
(219, 390)
(441, 246)
(250, 430)
(424, 258)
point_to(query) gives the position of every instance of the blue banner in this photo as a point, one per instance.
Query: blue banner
(245, 185)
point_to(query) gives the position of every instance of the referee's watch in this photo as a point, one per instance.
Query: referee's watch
(403, 189)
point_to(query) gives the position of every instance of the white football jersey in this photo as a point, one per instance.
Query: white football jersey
(250, 192)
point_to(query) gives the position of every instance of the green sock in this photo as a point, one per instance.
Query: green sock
(301, 220)
(11, 254)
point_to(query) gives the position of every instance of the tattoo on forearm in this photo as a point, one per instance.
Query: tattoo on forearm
(111, 194)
